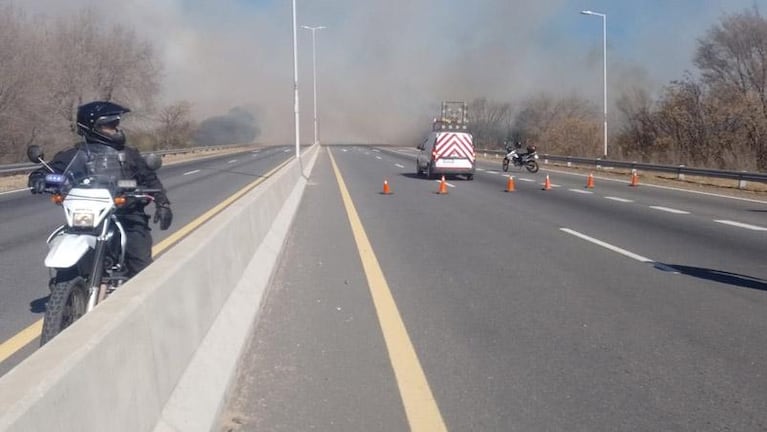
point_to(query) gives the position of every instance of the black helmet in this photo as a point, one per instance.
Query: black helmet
(98, 122)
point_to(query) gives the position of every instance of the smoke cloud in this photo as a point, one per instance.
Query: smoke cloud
(383, 67)
(236, 127)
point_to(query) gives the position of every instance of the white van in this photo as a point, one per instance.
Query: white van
(446, 153)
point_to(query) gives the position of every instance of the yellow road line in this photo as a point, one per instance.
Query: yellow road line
(420, 406)
(9, 347)
(29, 334)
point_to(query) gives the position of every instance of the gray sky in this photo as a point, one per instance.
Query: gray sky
(384, 66)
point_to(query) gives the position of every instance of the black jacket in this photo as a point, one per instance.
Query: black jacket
(134, 166)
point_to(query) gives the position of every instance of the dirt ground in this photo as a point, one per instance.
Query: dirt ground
(14, 182)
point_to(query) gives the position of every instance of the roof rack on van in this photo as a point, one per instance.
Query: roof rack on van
(454, 117)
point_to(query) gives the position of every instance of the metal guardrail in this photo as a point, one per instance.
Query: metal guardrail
(680, 170)
(21, 168)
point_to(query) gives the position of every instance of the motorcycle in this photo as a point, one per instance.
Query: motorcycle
(527, 160)
(86, 255)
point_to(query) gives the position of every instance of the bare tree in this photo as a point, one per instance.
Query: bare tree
(638, 135)
(90, 62)
(49, 67)
(490, 122)
(176, 126)
(126, 68)
(20, 121)
(732, 57)
(563, 126)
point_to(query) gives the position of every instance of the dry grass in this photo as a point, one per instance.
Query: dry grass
(19, 181)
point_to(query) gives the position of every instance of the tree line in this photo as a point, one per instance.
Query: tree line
(714, 116)
(51, 65)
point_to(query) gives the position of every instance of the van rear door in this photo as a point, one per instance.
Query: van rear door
(454, 150)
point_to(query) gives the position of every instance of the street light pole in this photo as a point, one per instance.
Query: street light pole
(295, 80)
(604, 68)
(314, 77)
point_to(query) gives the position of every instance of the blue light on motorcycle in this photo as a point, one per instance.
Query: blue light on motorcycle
(54, 178)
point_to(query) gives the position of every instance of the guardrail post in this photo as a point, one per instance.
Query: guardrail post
(742, 183)
(679, 173)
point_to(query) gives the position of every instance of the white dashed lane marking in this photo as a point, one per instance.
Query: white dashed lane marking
(621, 251)
(740, 225)
(191, 172)
(581, 191)
(624, 200)
(399, 166)
(669, 210)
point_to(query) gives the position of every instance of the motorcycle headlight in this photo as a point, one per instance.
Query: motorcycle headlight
(83, 219)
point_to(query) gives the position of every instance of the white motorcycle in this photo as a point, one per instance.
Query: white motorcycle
(527, 160)
(86, 255)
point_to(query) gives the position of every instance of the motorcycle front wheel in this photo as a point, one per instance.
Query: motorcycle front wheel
(67, 303)
(505, 164)
(532, 166)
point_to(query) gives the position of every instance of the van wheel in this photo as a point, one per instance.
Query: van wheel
(429, 173)
(418, 170)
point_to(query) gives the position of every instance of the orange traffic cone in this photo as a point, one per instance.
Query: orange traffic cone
(590, 181)
(386, 189)
(442, 186)
(634, 179)
(510, 184)
(547, 183)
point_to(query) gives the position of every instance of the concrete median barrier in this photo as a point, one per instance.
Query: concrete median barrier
(160, 354)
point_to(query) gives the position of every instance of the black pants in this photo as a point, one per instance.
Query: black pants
(138, 247)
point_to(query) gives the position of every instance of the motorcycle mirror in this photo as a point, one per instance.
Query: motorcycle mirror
(153, 161)
(35, 153)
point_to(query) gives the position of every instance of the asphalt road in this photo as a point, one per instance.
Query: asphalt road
(614, 308)
(193, 187)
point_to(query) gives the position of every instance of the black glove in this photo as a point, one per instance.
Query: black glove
(163, 215)
(36, 182)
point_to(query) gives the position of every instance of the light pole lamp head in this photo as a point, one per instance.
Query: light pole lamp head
(592, 13)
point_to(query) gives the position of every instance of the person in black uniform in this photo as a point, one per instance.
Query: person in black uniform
(98, 123)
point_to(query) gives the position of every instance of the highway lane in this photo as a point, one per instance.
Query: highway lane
(193, 187)
(532, 310)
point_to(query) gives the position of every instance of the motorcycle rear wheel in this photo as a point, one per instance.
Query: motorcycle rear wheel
(67, 303)
(532, 166)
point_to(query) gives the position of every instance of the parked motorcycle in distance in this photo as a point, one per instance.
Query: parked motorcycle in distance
(86, 255)
(527, 160)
